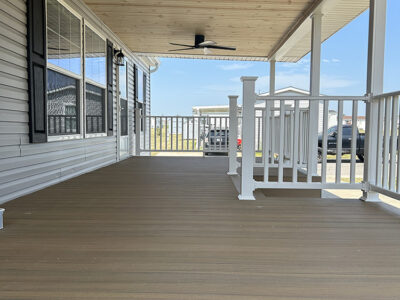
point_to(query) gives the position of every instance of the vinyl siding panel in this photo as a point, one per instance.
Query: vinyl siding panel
(25, 167)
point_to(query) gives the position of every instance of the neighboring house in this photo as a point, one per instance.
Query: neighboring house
(347, 120)
(223, 110)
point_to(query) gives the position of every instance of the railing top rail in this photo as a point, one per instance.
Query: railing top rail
(391, 94)
(313, 98)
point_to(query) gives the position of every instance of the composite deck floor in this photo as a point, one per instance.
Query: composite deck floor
(172, 228)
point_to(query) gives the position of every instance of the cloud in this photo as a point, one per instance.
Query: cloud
(329, 83)
(333, 60)
(235, 66)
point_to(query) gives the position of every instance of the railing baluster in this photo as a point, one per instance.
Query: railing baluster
(309, 151)
(273, 136)
(193, 125)
(187, 134)
(266, 135)
(354, 137)
(161, 134)
(198, 133)
(379, 143)
(281, 139)
(166, 133)
(183, 133)
(296, 130)
(324, 141)
(393, 143)
(301, 137)
(338, 177)
(176, 134)
(144, 117)
(171, 133)
(388, 106)
(155, 133)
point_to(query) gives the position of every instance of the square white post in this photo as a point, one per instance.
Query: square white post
(233, 135)
(315, 75)
(248, 138)
(375, 70)
(138, 121)
(272, 76)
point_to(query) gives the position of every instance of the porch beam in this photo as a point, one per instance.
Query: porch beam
(315, 76)
(248, 137)
(375, 71)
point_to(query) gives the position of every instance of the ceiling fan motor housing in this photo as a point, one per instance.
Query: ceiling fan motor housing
(198, 39)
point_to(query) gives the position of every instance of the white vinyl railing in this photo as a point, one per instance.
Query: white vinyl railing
(386, 165)
(273, 125)
(184, 134)
(290, 145)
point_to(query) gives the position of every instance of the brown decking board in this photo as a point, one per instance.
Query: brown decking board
(172, 228)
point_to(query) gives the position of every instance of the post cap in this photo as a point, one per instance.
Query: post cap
(233, 96)
(248, 78)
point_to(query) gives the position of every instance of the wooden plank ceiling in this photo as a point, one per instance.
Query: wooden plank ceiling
(257, 28)
(253, 26)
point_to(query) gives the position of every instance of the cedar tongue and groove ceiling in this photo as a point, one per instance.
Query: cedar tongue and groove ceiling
(257, 28)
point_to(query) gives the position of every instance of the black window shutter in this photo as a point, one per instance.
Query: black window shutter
(136, 83)
(37, 73)
(135, 95)
(110, 82)
(144, 87)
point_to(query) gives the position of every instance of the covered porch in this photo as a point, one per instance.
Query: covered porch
(172, 228)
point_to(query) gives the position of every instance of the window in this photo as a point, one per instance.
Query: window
(95, 76)
(62, 104)
(63, 38)
(95, 111)
(123, 99)
(64, 70)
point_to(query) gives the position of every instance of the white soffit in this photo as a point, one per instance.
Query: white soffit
(336, 15)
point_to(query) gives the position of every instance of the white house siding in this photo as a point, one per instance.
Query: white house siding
(26, 167)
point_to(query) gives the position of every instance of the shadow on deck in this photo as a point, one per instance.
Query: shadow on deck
(172, 228)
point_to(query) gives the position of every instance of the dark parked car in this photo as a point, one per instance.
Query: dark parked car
(217, 138)
(346, 142)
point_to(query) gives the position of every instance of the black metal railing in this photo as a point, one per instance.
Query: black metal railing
(95, 124)
(62, 125)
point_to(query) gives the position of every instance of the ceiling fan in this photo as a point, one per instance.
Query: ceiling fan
(201, 43)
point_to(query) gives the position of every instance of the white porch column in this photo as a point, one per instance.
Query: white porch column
(233, 135)
(272, 76)
(138, 122)
(248, 138)
(375, 70)
(315, 75)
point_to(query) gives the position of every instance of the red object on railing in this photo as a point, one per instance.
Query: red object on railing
(239, 142)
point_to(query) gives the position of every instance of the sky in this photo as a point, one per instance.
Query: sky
(180, 84)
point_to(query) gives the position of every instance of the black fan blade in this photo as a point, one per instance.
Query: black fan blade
(181, 45)
(220, 47)
(183, 49)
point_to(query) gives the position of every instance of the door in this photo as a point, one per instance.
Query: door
(123, 132)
